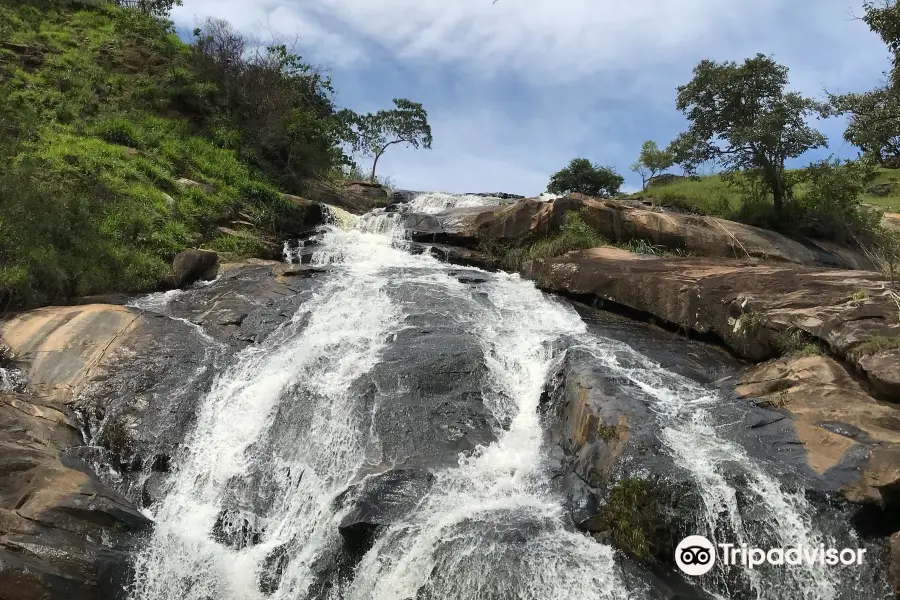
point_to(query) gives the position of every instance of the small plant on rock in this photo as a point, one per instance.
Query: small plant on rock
(795, 342)
(874, 346)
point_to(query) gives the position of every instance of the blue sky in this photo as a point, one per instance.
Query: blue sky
(517, 88)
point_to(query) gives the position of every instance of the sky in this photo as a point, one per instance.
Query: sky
(514, 89)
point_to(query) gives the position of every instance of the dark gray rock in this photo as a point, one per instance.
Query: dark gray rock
(379, 501)
(194, 265)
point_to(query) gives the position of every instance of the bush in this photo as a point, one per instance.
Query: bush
(885, 253)
(117, 130)
(574, 234)
(828, 201)
(646, 518)
(586, 178)
(792, 341)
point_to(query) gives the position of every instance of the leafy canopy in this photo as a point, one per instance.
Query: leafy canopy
(874, 116)
(373, 133)
(652, 161)
(157, 8)
(742, 118)
(587, 178)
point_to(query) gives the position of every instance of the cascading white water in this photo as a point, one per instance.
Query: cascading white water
(11, 380)
(283, 427)
(441, 550)
(687, 429)
(435, 202)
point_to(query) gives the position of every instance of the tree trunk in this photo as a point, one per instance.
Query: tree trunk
(776, 185)
(374, 164)
(778, 196)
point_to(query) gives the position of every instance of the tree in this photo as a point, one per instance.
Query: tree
(374, 133)
(157, 8)
(652, 161)
(873, 125)
(266, 102)
(883, 18)
(742, 118)
(874, 116)
(584, 177)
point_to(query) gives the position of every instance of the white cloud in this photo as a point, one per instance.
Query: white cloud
(547, 40)
(517, 88)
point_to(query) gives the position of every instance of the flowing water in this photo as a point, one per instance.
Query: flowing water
(285, 430)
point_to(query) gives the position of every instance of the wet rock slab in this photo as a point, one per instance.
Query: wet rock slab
(113, 390)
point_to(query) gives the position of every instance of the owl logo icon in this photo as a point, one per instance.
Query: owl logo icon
(695, 555)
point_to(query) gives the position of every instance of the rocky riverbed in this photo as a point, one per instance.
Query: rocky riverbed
(353, 425)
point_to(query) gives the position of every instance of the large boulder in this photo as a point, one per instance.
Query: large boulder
(378, 501)
(894, 569)
(851, 439)
(750, 306)
(356, 197)
(621, 221)
(113, 393)
(63, 534)
(190, 266)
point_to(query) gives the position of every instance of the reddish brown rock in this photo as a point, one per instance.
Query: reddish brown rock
(622, 221)
(746, 304)
(847, 434)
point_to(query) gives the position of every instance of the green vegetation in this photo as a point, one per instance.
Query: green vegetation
(887, 185)
(825, 201)
(651, 162)
(874, 116)
(641, 517)
(574, 234)
(374, 133)
(640, 246)
(742, 118)
(793, 341)
(750, 320)
(714, 195)
(859, 296)
(874, 346)
(584, 177)
(608, 432)
(104, 109)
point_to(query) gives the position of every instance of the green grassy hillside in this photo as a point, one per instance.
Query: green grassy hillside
(711, 195)
(102, 111)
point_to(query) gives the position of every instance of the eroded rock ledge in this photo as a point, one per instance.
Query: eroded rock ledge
(624, 221)
(104, 388)
(746, 304)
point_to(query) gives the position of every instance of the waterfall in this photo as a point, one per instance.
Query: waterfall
(690, 434)
(287, 427)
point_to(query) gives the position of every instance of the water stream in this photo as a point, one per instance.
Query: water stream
(288, 426)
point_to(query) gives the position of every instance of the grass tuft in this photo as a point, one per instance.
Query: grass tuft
(876, 345)
(574, 234)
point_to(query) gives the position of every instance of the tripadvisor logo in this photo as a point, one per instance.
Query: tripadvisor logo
(696, 555)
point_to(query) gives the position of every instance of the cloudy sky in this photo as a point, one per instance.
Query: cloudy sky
(516, 88)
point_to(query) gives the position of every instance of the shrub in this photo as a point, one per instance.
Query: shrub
(792, 341)
(574, 234)
(117, 130)
(828, 202)
(584, 177)
(874, 346)
(646, 517)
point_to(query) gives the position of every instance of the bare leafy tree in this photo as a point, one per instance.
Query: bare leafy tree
(742, 117)
(374, 133)
(652, 161)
